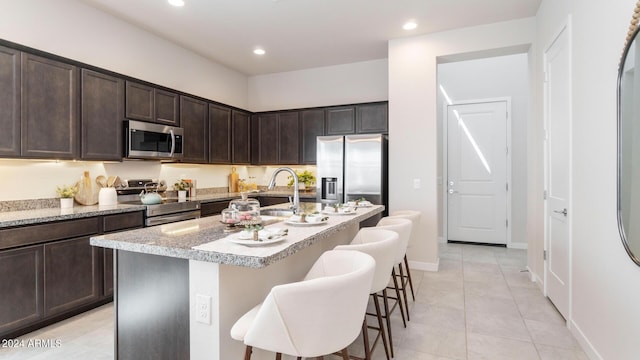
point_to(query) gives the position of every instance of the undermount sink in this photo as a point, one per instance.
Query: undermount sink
(276, 212)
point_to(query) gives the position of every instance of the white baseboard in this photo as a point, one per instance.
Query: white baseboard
(587, 347)
(424, 266)
(534, 277)
(518, 245)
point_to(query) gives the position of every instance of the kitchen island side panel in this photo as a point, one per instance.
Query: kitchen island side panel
(152, 307)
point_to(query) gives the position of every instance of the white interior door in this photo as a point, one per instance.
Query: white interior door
(477, 172)
(558, 164)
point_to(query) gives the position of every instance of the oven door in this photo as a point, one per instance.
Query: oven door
(152, 141)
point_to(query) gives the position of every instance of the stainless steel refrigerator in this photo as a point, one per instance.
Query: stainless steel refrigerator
(352, 167)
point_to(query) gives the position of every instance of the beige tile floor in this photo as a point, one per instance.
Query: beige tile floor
(480, 305)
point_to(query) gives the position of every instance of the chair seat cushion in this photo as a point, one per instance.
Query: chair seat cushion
(240, 328)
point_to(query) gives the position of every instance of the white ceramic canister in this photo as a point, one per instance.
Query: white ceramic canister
(107, 197)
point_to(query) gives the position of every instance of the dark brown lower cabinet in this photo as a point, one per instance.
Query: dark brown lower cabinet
(21, 288)
(73, 278)
(213, 208)
(107, 287)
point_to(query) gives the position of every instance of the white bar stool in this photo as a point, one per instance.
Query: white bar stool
(381, 245)
(403, 228)
(414, 216)
(318, 316)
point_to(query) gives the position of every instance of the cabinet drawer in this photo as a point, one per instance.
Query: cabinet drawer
(213, 208)
(36, 234)
(124, 221)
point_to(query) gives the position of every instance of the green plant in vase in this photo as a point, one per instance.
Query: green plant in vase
(306, 177)
(67, 191)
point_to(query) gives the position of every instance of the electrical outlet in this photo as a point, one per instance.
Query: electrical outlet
(416, 183)
(203, 309)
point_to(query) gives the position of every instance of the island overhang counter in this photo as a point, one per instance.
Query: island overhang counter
(180, 287)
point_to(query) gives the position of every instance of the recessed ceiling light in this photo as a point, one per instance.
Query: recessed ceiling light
(410, 25)
(259, 51)
(176, 2)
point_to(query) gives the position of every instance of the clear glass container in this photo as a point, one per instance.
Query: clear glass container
(248, 209)
(230, 216)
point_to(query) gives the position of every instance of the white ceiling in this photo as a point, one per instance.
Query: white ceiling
(301, 34)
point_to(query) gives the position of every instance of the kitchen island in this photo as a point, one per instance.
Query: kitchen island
(180, 287)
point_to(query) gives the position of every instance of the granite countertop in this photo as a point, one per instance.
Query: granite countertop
(204, 239)
(44, 215)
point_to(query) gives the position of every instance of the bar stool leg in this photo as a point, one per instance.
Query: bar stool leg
(247, 353)
(398, 298)
(376, 302)
(365, 338)
(404, 291)
(387, 317)
(406, 264)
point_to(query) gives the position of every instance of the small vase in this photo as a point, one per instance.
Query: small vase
(107, 197)
(182, 194)
(302, 187)
(66, 203)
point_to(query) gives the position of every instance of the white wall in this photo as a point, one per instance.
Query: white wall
(74, 30)
(331, 85)
(605, 282)
(413, 119)
(501, 76)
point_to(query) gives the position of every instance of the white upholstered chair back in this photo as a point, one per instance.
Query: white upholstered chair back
(381, 244)
(412, 215)
(320, 315)
(403, 228)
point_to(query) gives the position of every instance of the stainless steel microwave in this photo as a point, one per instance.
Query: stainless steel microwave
(152, 141)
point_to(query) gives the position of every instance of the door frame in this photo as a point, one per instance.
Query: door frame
(445, 165)
(564, 26)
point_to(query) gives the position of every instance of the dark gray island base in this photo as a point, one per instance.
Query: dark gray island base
(167, 276)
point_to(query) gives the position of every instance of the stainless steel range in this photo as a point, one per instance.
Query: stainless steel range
(169, 210)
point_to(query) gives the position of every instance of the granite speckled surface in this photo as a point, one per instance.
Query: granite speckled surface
(38, 216)
(204, 239)
(29, 212)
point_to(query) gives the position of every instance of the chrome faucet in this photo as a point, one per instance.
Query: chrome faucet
(296, 195)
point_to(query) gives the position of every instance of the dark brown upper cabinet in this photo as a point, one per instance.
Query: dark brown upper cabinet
(147, 103)
(240, 137)
(139, 102)
(219, 134)
(311, 126)
(372, 118)
(102, 110)
(276, 138)
(195, 122)
(288, 138)
(166, 108)
(49, 111)
(264, 139)
(341, 120)
(9, 102)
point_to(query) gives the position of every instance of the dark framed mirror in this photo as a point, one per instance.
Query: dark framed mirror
(629, 143)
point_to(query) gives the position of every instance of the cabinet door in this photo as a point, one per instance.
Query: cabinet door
(288, 138)
(102, 100)
(341, 120)
(372, 119)
(213, 208)
(21, 287)
(193, 116)
(264, 139)
(9, 102)
(73, 276)
(139, 102)
(166, 108)
(219, 135)
(241, 137)
(312, 126)
(49, 108)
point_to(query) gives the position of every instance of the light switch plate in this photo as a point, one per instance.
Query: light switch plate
(416, 183)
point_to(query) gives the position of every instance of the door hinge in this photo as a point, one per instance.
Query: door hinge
(507, 150)
(545, 195)
(544, 255)
(506, 223)
(546, 76)
(507, 186)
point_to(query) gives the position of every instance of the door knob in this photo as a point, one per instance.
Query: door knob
(451, 183)
(563, 212)
(451, 191)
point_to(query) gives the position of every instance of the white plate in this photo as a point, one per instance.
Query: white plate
(251, 242)
(360, 204)
(298, 223)
(264, 233)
